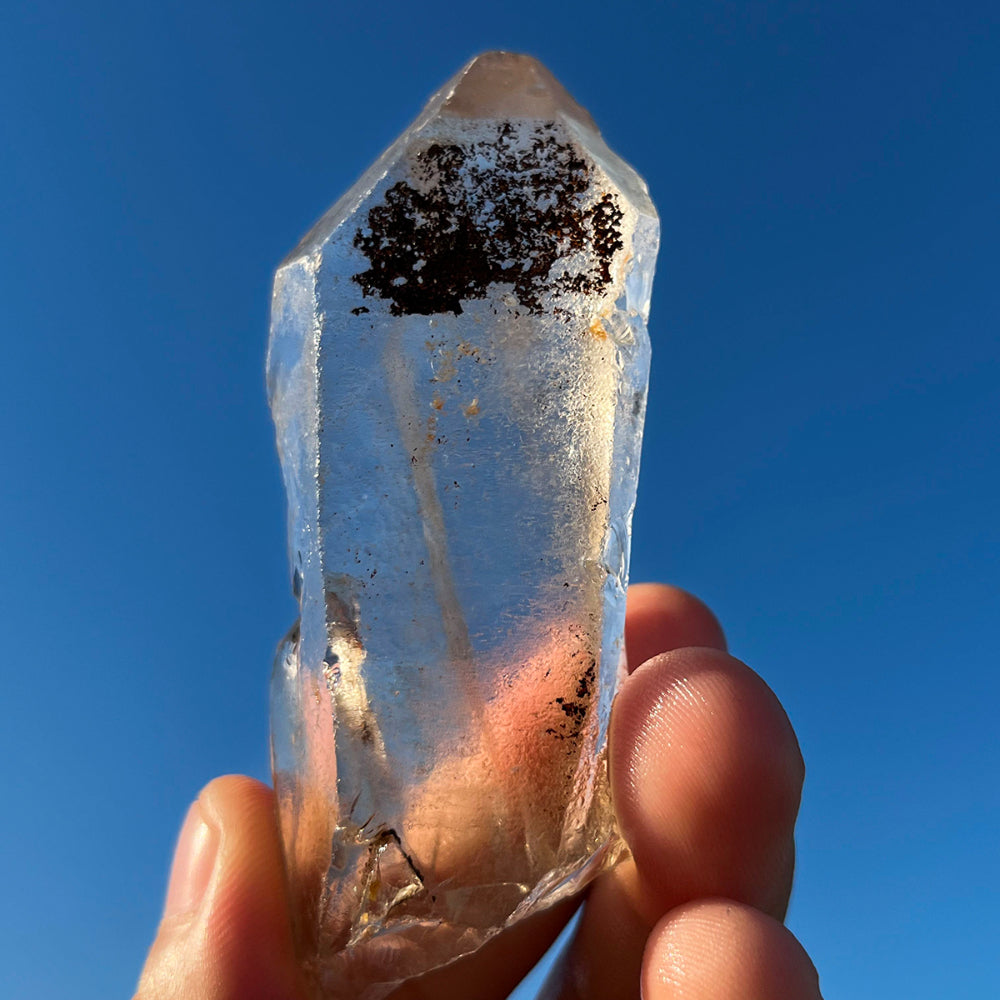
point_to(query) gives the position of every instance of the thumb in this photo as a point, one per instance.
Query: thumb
(225, 932)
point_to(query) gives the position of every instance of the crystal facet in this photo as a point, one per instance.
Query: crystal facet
(457, 370)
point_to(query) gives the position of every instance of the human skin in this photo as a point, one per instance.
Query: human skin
(706, 777)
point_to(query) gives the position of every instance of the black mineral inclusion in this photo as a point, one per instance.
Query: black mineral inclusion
(489, 212)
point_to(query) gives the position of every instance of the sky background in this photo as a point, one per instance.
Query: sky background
(820, 460)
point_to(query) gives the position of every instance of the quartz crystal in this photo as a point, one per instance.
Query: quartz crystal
(457, 370)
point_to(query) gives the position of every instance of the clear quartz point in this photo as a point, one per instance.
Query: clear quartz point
(457, 371)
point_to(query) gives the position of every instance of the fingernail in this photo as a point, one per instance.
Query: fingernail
(194, 859)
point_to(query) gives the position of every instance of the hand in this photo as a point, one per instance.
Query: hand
(706, 776)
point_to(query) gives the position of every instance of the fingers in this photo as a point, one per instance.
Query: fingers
(706, 775)
(225, 932)
(721, 950)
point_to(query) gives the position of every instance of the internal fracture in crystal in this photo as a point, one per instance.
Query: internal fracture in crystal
(457, 371)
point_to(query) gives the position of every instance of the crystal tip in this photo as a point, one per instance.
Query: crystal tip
(510, 85)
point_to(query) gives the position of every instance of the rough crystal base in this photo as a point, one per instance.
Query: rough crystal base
(457, 371)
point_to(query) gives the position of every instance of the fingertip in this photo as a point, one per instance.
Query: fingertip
(194, 862)
(661, 618)
(239, 802)
(706, 777)
(226, 933)
(250, 925)
(702, 699)
(723, 950)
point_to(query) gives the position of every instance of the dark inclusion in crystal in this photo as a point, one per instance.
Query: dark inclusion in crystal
(490, 212)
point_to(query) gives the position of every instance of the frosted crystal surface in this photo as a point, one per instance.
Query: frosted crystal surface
(457, 371)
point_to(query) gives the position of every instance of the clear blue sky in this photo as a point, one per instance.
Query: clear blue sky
(821, 448)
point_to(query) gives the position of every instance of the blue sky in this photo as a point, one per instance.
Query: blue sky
(820, 460)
